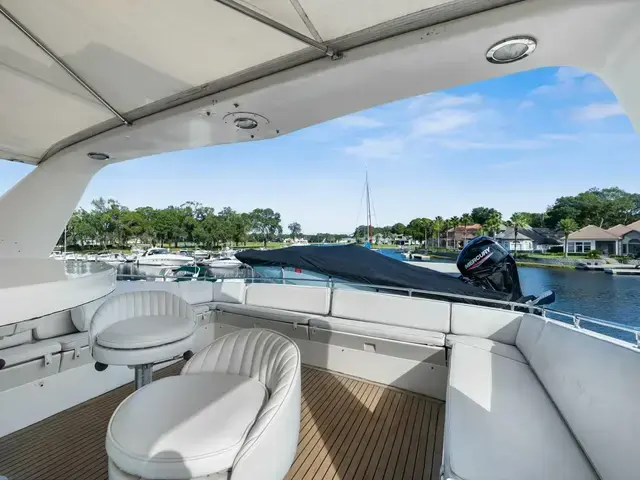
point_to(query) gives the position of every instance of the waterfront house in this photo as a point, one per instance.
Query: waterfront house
(461, 235)
(629, 243)
(347, 240)
(529, 239)
(594, 238)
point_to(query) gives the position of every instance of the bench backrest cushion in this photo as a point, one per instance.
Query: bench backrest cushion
(15, 339)
(298, 298)
(595, 383)
(528, 334)
(54, 325)
(229, 291)
(493, 323)
(422, 313)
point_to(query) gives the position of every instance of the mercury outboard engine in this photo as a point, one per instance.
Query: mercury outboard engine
(486, 264)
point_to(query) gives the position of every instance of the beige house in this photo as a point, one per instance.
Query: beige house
(593, 238)
(629, 243)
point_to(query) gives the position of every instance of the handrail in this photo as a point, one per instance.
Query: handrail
(575, 318)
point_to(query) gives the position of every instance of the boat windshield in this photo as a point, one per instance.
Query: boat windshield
(158, 251)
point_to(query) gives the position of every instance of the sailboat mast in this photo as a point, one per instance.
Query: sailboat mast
(370, 228)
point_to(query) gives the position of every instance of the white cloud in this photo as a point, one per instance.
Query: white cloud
(562, 136)
(526, 104)
(504, 145)
(378, 148)
(443, 121)
(567, 74)
(598, 111)
(436, 101)
(357, 121)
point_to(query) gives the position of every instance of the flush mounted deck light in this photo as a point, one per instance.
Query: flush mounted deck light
(511, 50)
(98, 156)
(245, 123)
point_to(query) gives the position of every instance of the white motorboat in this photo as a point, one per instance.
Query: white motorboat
(162, 257)
(303, 381)
(113, 258)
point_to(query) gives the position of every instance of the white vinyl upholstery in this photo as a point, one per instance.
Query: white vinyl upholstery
(15, 339)
(81, 316)
(528, 334)
(306, 299)
(274, 361)
(195, 292)
(210, 435)
(508, 351)
(30, 351)
(421, 313)
(142, 327)
(500, 423)
(73, 341)
(594, 382)
(261, 312)
(230, 291)
(484, 322)
(198, 424)
(378, 330)
(54, 325)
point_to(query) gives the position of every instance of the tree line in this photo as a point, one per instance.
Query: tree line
(108, 223)
(605, 208)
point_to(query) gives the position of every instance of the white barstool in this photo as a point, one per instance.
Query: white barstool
(141, 329)
(232, 414)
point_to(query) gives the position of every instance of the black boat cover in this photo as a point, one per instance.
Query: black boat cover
(361, 265)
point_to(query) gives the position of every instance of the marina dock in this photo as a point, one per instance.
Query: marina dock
(629, 270)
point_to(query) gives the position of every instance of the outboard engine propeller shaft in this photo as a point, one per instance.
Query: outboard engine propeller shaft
(485, 263)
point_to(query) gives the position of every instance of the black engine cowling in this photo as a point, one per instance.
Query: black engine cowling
(485, 263)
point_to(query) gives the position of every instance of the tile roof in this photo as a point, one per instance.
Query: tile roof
(591, 232)
(619, 230)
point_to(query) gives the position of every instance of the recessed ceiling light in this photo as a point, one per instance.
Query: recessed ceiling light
(511, 50)
(98, 156)
(245, 123)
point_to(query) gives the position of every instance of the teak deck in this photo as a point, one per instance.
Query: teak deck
(349, 429)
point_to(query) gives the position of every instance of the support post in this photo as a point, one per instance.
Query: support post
(143, 374)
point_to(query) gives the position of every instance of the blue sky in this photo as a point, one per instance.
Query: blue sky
(514, 143)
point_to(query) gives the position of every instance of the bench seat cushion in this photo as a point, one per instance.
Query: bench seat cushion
(500, 423)
(390, 332)
(508, 351)
(264, 313)
(73, 341)
(29, 351)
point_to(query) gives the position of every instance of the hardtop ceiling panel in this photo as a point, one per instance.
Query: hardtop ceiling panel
(337, 18)
(282, 11)
(39, 102)
(137, 52)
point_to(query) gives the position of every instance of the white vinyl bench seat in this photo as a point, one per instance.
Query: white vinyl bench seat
(379, 330)
(500, 423)
(29, 351)
(264, 313)
(508, 351)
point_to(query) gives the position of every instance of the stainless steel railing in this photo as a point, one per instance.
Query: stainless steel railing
(582, 322)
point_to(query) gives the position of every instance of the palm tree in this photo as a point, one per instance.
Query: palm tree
(465, 220)
(438, 225)
(493, 224)
(517, 221)
(454, 222)
(568, 226)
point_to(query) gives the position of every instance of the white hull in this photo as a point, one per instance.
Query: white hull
(168, 261)
(225, 263)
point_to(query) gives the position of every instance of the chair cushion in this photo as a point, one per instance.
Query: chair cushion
(184, 426)
(29, 351)
(265, 313)
(146, 331)
(487, 345)
(379, 330)
(500, 423)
